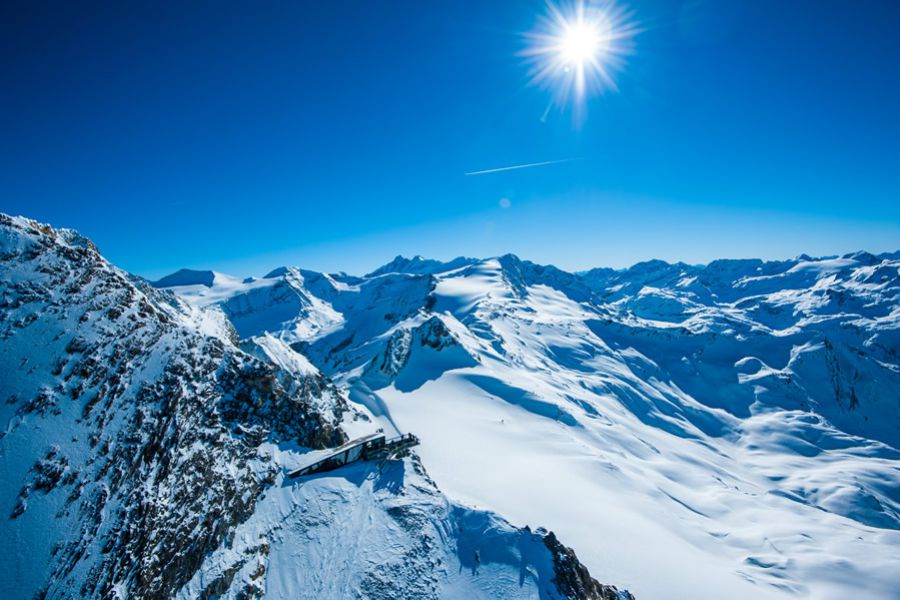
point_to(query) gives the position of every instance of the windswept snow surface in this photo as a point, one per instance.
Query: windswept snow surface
(379, 531)
(720, 431)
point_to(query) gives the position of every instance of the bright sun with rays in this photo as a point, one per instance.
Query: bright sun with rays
(581, 42)
(577, 49)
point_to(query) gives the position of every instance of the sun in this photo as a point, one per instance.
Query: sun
(577, 49)
(581, 42)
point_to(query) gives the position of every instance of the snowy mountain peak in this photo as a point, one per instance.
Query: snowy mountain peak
(418, 265)
(282, 272)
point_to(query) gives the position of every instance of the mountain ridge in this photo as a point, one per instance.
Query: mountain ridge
(146, 449)
(731, 428)
(419, 264)
(738, 391)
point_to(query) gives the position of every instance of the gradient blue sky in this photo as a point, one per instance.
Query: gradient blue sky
(335, 135)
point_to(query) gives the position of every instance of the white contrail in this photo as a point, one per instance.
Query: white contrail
(525, 166)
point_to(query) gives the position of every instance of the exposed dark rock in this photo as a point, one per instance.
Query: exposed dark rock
(573, 579)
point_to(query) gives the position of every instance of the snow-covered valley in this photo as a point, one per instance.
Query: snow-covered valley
(727, 430)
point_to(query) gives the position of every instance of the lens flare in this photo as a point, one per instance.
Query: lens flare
(576, 50)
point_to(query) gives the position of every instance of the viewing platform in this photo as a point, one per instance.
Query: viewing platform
(370, 447)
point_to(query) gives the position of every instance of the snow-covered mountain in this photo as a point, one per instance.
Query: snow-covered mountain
(727, 430)
(146, 441)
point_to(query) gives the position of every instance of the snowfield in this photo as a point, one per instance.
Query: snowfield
(727, 430)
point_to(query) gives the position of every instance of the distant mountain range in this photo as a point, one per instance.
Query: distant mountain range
(729, 430)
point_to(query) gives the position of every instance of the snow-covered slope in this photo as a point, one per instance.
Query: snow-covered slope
(727, 430)
(144, 449)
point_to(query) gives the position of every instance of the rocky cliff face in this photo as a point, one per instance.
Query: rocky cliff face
(144, 451)
(573, 579)
(148, 432)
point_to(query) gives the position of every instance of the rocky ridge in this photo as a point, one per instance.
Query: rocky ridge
(146, 448)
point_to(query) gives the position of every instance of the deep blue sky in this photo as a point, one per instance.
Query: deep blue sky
(334, 135)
